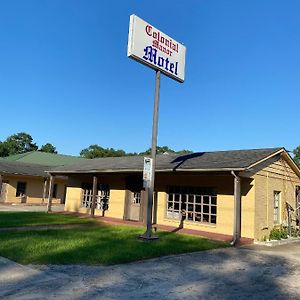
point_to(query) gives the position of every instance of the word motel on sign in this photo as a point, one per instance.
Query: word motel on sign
(150, 54)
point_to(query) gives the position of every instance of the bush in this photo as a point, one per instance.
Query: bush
(294, 232)
(278, 233)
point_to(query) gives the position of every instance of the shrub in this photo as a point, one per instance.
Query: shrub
(294, 232)
(278, 233)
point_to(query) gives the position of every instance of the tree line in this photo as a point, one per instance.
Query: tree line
(23, 142)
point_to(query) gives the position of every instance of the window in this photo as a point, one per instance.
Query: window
(276, 207)
(54, 193)
(137, 198)
(196, 204)
(21, 189)
(102, 196)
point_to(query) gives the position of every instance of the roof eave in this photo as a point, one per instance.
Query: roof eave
(140, 171)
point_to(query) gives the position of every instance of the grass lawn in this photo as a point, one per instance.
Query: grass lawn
(18, 219)
(105, 244)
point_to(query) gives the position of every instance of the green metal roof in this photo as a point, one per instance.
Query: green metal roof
(44, 158)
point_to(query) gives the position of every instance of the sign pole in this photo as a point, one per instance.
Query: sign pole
(148, 235)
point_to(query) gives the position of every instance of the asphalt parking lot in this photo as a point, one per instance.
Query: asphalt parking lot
(234, 273)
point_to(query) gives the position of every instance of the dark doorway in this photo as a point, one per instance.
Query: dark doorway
(134, 202)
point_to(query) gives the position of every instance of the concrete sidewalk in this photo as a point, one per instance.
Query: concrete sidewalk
(251, 272)
(30, 207)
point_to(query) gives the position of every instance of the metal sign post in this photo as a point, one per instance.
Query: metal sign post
(155, 49)
(148, 235)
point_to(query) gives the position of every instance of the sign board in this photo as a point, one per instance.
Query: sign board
(147, 172)
(153, 48)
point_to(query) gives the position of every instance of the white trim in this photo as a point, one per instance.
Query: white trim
(266, 158)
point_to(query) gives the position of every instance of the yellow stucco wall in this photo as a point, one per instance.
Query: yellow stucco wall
(225, 200)
(34, 189)
(116, 201)
(280, 177)
(257, 198)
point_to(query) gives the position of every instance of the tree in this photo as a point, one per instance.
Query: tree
(4, 151)
(49, 148)
(297, 155)
(164, 149)
(94, 151)
(19, 143)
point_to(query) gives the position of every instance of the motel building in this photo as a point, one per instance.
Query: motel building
(23, 177)
(240, 193)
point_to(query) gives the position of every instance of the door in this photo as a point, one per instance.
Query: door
(134, 201)
(3, 192)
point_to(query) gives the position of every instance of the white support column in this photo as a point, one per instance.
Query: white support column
(95, 190)
(237, 209)
(45, 189)
(51, 185)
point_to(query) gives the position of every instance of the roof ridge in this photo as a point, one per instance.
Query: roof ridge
(233, 150)
(66, 155)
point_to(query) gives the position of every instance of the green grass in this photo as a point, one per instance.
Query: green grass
(105, 245)
(19, 219)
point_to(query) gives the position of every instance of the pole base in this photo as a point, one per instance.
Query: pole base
(146, 237)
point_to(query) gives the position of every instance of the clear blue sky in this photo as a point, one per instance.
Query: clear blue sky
(65, 77)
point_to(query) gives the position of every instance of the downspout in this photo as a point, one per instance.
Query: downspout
(237, 210)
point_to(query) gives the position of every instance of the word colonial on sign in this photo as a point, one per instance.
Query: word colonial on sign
(150, 46)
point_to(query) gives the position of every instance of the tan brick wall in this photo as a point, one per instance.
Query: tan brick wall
(279, 176)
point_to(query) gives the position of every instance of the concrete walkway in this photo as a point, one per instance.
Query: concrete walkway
(251, 272)
(28, 207)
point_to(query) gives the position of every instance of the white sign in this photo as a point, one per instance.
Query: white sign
(155, 49)
(147, 172)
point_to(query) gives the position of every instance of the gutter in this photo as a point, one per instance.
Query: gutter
(140, 171)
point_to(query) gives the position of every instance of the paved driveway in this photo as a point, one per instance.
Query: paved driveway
(252, 272)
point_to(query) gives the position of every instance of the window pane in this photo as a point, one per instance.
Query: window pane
(198, 208)
(213, 219)
(214, 200)
(198, 199)
(191, 198)
(214, 210)
(206, 200)
(205, 208)
(170, 206)
(205, 218)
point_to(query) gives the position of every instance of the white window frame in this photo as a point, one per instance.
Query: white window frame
(192, 206)
(102, 197)
(276, 206)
